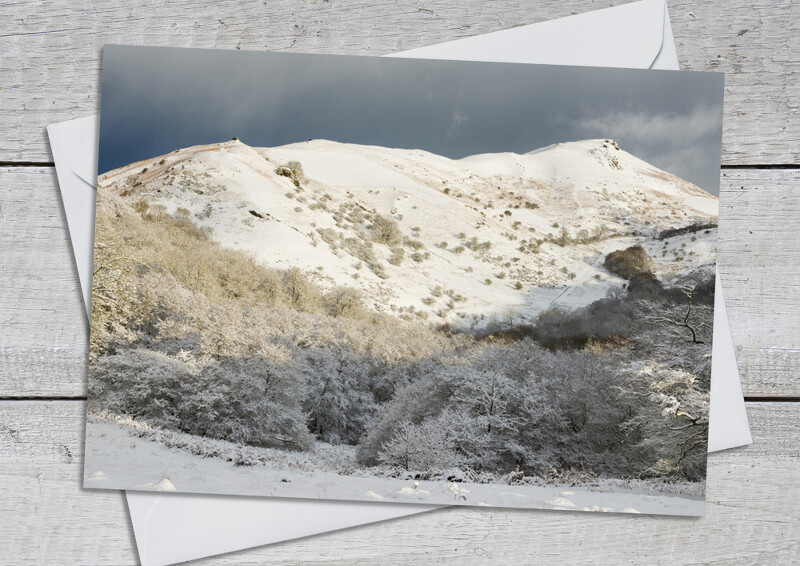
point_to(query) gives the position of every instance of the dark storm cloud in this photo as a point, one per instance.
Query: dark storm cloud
(155, 100)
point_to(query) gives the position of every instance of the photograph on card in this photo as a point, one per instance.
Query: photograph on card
(392, 280)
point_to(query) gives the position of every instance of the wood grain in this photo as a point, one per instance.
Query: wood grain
(42, 322)
(45, 336)
(759, 261)
(50, 51)
(749, 506)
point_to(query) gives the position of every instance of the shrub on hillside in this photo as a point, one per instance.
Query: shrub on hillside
(345, 301)
(629, 262)
(397, 256)
(293, 171)
(303, 295)
(386, 231)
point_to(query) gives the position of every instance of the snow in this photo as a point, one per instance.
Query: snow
(119, 458)
(578, 186)
(702, 205)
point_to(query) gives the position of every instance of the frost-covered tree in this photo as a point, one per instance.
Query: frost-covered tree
(430, 445)
(416, 401)
(338, 402)
(142, 384)
(243, 400)
(261, 404)
(482, 403)
(669, 422)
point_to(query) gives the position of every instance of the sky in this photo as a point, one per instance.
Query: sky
(155, 100)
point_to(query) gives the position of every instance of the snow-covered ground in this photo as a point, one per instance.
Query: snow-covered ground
(125, 455)
(487, 236)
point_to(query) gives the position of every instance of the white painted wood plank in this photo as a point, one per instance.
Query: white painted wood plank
(45, 517)
(50, 51)
(42, 322)
(751, 512)
(44, 337)
(759, 258)
(757, 45)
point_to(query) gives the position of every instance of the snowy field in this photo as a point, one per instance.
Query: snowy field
(125, 455)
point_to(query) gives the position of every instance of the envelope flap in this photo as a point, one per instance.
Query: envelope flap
(77, 141)
(628, 36)
(74, 147)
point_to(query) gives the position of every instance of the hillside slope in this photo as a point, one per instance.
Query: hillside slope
(468, 240)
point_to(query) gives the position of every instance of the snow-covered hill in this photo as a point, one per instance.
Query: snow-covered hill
(492, 235)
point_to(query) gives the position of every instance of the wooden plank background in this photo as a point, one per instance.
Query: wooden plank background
(49, 70)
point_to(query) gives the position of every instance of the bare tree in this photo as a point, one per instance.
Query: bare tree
(690, 320)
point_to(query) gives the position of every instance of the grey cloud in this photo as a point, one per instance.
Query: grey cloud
(155, 100)
(670, 140)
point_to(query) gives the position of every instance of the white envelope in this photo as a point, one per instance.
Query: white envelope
(177, 527)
